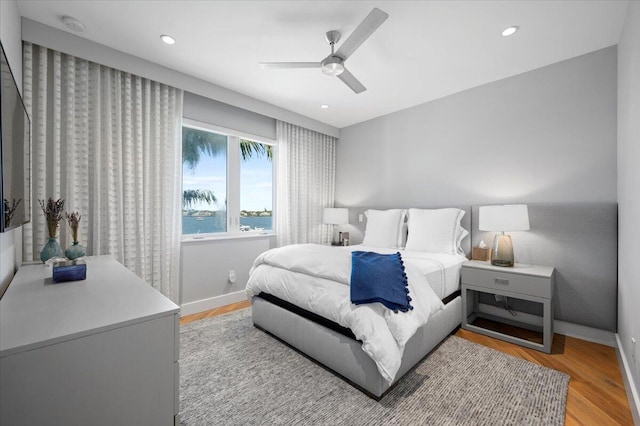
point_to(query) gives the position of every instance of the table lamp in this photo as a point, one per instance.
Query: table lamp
(336, 216)
(506, 218)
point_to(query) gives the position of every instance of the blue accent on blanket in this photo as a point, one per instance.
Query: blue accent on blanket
(379, 278)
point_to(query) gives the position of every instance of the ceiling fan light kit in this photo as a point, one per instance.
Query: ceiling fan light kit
(333, 64)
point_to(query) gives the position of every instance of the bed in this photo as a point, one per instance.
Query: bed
(291, 304)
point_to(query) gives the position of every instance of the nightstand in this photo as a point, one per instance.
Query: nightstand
(526, 282)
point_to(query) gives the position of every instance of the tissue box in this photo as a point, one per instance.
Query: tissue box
(70, 270)
(478, 253)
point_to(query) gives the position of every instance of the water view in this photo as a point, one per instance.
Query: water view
(210, 224)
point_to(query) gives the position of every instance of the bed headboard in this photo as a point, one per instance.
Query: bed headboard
(356, 228)
(580, 240)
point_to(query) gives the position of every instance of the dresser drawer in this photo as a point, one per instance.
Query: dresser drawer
(507, 281)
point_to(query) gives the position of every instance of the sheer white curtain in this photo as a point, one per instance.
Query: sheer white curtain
(108, 143)
(305, 175)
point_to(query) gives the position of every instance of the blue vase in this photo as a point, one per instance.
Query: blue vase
(75, 251)
(51, 249)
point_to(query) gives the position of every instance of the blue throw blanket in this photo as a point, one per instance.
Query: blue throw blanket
(379, 278)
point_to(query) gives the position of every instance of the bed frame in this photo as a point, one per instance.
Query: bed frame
(344, 355)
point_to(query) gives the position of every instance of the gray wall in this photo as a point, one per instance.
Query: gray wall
(548, 135)
(205, 266)
(580, 241)
(545, 136)
(210, 111)
(11, 242)
(628, 190)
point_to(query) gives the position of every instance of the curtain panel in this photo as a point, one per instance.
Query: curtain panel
(305, 179)
(109, 144)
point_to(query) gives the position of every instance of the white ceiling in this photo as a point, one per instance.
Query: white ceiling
(424, 51)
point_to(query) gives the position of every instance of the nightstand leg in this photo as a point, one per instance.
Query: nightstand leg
(547, 332)
(463, 323)
(469, 306)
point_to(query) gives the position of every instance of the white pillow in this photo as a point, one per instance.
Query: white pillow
(384, 228)
(435, 230)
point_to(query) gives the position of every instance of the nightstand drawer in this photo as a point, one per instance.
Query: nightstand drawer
(507, 281)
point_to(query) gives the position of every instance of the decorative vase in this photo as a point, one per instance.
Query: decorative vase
(75, 251)
(51, 249)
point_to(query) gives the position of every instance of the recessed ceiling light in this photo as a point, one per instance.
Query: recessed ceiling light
(510, 31)
(72, 23)
(167, 39)
(324, 106)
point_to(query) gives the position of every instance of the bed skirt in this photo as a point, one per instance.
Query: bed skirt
(344, 355)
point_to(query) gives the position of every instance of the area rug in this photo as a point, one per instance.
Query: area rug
(234, 374)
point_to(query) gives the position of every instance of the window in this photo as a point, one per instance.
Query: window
(227, 182)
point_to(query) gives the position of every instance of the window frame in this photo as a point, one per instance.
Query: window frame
(233, 182)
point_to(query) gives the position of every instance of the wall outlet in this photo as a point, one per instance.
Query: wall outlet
(360, 218)
(633, 349)
(232, 276)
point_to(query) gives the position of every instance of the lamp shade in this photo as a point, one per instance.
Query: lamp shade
(513, 217)
(336, 216)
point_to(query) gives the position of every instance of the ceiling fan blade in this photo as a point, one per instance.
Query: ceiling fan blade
(286, 65)
(353, 83)
(374, 19)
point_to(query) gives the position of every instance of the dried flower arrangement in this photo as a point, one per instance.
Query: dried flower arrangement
(53, 212)
(73, 220)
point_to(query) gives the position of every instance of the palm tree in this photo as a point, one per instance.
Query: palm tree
(248, 148)
(192, 196)
(196, 143)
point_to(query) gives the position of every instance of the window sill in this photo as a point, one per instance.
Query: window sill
(196, 239)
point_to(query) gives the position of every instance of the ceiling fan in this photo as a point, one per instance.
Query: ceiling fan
(334, 63)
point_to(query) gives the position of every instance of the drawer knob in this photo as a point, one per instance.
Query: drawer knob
(501, 281)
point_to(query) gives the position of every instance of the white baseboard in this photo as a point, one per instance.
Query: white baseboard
(629, 384)
(211, 303)
(578, 331)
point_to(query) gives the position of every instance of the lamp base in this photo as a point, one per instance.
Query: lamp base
(339, 242)
(502, 253)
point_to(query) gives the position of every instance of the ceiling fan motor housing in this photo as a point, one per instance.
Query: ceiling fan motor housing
(333, 65)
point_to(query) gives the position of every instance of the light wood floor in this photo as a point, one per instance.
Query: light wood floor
(596, 392)
(213, 312)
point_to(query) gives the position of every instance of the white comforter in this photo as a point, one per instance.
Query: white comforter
(316, 278)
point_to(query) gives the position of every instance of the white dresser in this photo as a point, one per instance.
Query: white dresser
(103, 351)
